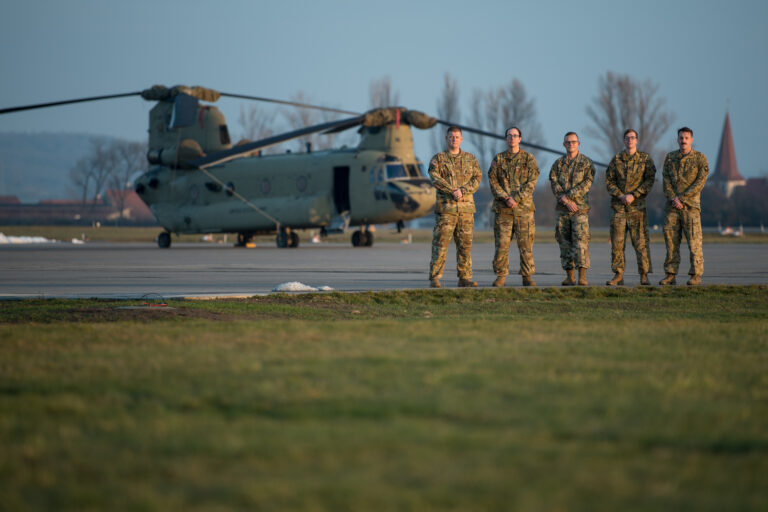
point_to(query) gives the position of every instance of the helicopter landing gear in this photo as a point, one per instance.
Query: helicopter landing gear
(164, 240)
(362, 238)
(243, 239)
(287, 238)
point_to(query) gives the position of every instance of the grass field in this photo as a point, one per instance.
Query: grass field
(383, 234)
(513, 399)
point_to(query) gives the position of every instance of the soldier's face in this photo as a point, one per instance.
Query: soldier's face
(685, 141)
(453, 139)
(513, 139)
(571, 144)
(630, 141)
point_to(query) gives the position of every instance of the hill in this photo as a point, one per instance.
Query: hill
(35, 166)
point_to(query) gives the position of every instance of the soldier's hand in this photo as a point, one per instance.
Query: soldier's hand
(677, 203)
(629, 199)
(572, 207)
(511, 203)
(457, 195)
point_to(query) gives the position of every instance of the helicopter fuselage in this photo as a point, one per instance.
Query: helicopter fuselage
(260, 194)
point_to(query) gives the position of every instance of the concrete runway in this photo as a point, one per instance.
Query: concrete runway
(125, 270)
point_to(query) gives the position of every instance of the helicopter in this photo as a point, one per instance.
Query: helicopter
(199, 182)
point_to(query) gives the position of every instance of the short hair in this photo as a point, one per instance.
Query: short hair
(519, 131)
(683, 130)
(630, 130)
(453, 128)
(571, 133)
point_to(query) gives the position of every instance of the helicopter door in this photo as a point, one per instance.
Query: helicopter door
(341, 188)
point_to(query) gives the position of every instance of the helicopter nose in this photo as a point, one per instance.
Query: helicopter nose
(413, 199)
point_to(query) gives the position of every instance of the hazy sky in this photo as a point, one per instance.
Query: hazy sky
(705, 56)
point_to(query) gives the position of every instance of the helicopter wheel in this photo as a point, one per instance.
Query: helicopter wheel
(362, 238)
(293, 239)
(243, 239)
(164, 240)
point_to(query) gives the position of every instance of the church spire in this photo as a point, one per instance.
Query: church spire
(727, 169)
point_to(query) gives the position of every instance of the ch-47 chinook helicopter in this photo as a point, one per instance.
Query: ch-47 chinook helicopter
(198, 182)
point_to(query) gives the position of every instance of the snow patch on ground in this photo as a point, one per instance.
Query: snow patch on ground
(24, 240)
(295, 286)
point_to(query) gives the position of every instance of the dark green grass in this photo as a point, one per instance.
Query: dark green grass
(586, 399)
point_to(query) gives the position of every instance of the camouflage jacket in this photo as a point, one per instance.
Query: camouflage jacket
(572, 179)
(684, 177)
(630, 175)
(513, 175)
(449, 172)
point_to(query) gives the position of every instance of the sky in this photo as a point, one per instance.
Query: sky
(706, 57)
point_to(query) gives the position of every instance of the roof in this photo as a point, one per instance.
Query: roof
(726, 168)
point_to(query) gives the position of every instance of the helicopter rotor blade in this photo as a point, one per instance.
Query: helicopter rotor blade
(67, 102)
(223, 156)
(291, 103)
(499, 137)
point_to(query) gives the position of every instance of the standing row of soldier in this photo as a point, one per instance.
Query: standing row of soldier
(513, 175)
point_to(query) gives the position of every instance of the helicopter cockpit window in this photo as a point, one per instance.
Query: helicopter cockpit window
(395, 171)
(223, 134)
(413, 171)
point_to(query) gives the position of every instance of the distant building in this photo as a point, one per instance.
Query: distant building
(727, 175)
(122, 206)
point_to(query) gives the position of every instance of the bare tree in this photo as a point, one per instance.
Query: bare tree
(91, 173)
(81, 176)
(129, 158)
(302, 117)
(623, 102)
(447, 110)
(381, 93)
(257, 122)
(496, 110)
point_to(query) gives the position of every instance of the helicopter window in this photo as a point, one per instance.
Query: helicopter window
(413, 171)
(377, 174)
(223, 134)
(395, 171)
(266, 187)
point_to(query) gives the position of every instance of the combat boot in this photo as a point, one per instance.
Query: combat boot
(435, 283)
(528, 281)
(695, 280)
(571, 279)
(499, 282)
(583, 276)
(618, 279)
(644, 280)
(467, 283)
(668, 279)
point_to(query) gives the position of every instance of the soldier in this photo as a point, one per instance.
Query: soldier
(456, 176)
(571, 177)
(685, 173)
(512, 177)
(629, 178)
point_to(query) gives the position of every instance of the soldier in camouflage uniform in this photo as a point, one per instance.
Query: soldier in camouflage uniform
(456, 176)
(571, 177)
(685, 173)
(629, 178)
(512, 178)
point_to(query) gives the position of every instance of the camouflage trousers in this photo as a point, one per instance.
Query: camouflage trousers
(506, 226)
(636, 222)
(572, 234)
(686, 221)
(460, 227)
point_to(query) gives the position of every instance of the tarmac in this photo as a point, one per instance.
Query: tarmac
(199, 270)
